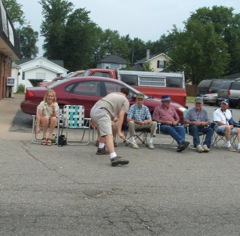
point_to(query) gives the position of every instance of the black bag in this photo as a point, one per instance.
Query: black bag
(62, 140)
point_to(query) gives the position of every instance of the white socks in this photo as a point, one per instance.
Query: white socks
(133, 140)
(151, 140)
(228, 144)
(101, 145)
(112, 155)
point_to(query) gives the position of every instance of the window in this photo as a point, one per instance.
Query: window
(23, 76)
(174, 82)
(112, 87)
(130, 79)
(89, 88)
(102, 74)
(161, 64)
(152, 81)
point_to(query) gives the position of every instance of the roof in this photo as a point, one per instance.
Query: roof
(112, 58)
(24, 60)
(151, 56)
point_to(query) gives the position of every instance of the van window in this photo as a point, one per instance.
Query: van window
(152, 81)
(173, 82)
(131, 80)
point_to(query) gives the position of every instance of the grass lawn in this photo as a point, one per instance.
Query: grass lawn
(190, 99)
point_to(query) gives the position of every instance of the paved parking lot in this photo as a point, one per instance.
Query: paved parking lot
(71, 191)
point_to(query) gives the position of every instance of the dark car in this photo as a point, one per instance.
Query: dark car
(208, 86)
(85, 91)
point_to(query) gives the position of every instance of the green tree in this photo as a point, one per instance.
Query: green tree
(199, 51)
(55, 13)
(15, 12)
(137, 50)
(227, 25)
(147, 67)
(110, 42)
(28, 39)
(80, 41)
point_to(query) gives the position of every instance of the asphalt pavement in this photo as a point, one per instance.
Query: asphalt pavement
(71, 191)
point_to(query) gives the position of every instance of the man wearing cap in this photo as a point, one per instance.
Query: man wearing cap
(198, 121)
(223, 117)
(139, 117)
(168, 118)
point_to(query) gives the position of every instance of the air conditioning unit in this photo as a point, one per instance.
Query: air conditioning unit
(10, 81)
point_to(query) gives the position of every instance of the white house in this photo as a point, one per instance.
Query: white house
(30, 72)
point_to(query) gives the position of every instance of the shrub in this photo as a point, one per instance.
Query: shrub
(21, 89)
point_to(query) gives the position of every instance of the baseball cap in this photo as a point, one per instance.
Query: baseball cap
(166, 98)
(225, 101)
(199, 100)
(140, 96)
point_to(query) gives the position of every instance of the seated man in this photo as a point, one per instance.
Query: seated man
(139, 117)
(169, 119)
(197, 118)
(222, 117)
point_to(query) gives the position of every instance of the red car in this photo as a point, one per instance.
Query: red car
(85, 91)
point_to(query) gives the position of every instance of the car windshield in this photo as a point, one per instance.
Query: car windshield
(51, 86)
(86, 73)
(69, 75)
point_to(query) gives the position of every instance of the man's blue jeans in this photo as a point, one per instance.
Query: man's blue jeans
(194, 131)
(177, 132)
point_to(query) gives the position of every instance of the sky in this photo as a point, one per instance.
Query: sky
(146, 20)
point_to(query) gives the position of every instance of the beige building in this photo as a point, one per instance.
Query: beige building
(157, 62)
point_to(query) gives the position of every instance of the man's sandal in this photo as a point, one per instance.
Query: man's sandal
(44, 141)
(49, 142)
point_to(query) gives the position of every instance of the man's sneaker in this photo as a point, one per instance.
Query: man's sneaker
(205, 147)
(232, 149)
(186, 144)
(118, 161)
(200, 148)
(134, 145)
(180, 147)
(102, 151)
(150, 145)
